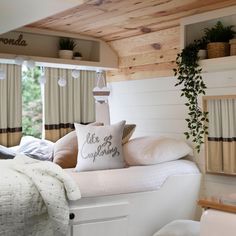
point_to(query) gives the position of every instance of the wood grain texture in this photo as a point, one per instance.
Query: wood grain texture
(145, 34)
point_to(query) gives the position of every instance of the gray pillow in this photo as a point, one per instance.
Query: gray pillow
(6, 153)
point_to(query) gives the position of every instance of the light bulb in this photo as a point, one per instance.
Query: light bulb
(30, 64)
(42, 79)
(75, 74)
(62, 82)
(19, 61)
(2, 74)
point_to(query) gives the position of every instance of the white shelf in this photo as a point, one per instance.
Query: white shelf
(218, 64)
(56, 62)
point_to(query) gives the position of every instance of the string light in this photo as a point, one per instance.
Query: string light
(61, 82)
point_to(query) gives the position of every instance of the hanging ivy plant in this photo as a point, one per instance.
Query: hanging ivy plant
(188, 74)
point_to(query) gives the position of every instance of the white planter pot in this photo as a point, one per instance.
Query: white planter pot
(66, 54)
(77, 58)
(202, 54)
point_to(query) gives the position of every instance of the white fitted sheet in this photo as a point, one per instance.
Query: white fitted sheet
(129, 180)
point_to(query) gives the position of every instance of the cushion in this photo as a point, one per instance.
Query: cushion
(154, 150)
(100, 147)
(66, 149)
(39, 149)
(180, 228)
(128, 132)
(6, 153)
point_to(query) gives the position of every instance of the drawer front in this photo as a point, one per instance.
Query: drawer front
(115, 227)
(98, 212)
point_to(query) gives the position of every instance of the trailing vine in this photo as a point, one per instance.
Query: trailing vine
(188, 74)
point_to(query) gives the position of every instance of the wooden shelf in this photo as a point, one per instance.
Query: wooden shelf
(218, 64)
(41, 46)
(217, 204)
(56, 62)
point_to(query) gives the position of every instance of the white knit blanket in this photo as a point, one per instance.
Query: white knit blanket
(34, 198)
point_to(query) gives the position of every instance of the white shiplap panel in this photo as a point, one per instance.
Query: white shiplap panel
(154, 112)
(149, 102)
(147, 98)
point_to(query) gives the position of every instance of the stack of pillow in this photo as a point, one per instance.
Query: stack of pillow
(93, 147)
(98, 147)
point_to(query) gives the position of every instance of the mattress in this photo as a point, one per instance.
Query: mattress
(131, 179)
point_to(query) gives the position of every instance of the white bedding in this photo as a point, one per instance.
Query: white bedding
(128, 180)
(33, 198)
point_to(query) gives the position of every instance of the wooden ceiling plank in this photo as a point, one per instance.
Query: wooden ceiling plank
(142, 72)
(169, 38)
(134, 21)
(158, 56)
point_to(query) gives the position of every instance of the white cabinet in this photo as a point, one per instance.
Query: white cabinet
(116, 227)
(100, 219)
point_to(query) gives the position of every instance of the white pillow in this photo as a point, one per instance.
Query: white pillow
(100, 147)
(154, 150)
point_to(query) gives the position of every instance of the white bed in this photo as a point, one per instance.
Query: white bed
(135, 201)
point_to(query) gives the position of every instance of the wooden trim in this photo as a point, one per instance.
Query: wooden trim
(217, 204)
(205, 98)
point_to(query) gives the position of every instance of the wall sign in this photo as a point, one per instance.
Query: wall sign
(15, 42)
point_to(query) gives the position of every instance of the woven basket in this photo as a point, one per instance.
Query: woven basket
(217, 50)
(232, 47)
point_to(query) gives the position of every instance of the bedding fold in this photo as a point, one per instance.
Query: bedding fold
(33, 199)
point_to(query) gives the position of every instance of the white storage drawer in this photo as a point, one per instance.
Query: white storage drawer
(116, 227)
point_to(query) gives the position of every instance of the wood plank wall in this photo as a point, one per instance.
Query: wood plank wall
(152, 54)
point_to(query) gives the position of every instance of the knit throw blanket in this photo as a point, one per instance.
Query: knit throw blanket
(34, 197)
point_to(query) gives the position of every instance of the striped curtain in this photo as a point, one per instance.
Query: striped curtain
(65, 105)
(10, 106)
(221, 148)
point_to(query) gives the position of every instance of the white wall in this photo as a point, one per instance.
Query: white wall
(156, 107)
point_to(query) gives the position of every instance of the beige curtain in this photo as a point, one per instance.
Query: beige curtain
(65, 105)
(10, 106)
(222, 136)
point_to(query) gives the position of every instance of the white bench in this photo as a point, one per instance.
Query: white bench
(180, 228)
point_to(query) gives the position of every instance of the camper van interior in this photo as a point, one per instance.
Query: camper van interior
(118, 118)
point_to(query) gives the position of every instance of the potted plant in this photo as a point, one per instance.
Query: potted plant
(192, 85)
(218, 37)
(77, 56)
(66, 47)
(202, 46)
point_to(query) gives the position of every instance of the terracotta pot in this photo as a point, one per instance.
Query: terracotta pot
(66, 54)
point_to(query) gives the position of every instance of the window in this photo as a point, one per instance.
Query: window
(31, 102)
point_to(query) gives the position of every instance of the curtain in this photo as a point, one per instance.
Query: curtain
(222, 136)
(10, 106)
(65, 105)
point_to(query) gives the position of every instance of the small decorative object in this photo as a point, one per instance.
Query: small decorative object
(62, 82)
(218, 37)
(66, 47)
(2, 74)
(30, 64)
(77, 56)
(19, 61)
(75, 74)
(189, 76)
(232, 47)
(101, 92)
